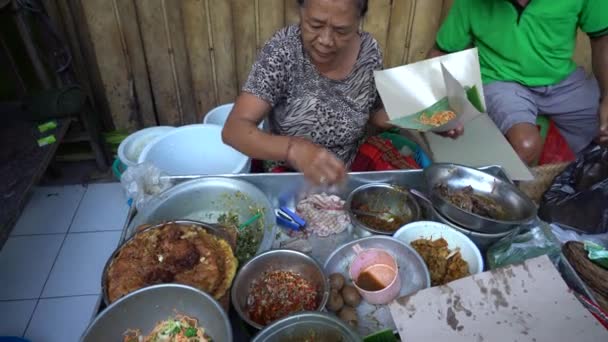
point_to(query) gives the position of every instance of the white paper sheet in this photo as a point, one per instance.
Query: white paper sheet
(412, 88)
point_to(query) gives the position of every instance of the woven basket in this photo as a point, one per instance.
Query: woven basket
(543, 177)
(593, 275)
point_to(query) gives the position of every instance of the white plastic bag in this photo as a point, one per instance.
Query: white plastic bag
(143, 181)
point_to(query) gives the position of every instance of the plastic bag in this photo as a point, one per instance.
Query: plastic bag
(143, 181)
(528, 244)
(563, 234)
(579, 196)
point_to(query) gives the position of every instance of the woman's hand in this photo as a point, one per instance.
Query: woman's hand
(318, 165)
(453, 133)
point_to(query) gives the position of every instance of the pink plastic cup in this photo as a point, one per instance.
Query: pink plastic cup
(383, 267)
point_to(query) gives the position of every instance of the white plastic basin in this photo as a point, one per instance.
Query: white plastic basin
(219, 115)
(195, 150)
(131, 148)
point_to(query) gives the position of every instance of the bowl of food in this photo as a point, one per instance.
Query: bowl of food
(216, 200)
(308, 326)
(164, 312)
(276, 284)
(185, 252)
(476, 200)
(448, 254)
(380, 208)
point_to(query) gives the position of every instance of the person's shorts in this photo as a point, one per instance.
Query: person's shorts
(573, 105)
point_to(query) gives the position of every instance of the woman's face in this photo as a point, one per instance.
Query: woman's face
(328, 27)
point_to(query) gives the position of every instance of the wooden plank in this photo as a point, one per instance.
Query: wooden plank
(110, 59)
(82, 36)
(142, 105)
(582, 52)
(219, 12)
(196, 32)
(245, 42)
(292, 12)
(162, 32)
(427, 15)
(376, 21)
(180, 66)
(395, 50)
(271, 14)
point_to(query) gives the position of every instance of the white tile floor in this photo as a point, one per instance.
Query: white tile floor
(50, 267)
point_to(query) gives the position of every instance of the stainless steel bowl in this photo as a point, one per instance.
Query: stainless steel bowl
(381, 197)
(482, 240)
(300, 327)
(204, 200)
(104, 276)
(517, 207)
(144, 308)
(277, 260)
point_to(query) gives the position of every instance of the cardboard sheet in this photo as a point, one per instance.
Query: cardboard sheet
(481, 145)
(527, 302)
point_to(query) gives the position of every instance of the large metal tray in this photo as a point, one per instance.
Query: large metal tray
(412, 270)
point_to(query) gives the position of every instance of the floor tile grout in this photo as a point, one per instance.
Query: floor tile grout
(48, 276)
(30, 318)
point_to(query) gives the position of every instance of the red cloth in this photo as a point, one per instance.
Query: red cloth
(555, 149)
(378, 154)
(375, 154)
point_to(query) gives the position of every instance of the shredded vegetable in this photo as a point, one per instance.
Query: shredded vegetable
(179, 329)
(437, 119)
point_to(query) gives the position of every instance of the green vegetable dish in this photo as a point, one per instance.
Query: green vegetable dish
(178, 329)
(249, 237)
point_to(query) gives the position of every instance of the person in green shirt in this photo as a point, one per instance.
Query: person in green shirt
(525, 52)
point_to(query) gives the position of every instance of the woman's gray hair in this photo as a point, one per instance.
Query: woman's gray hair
(361, 4)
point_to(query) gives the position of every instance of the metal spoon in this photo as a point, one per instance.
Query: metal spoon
(382, 216)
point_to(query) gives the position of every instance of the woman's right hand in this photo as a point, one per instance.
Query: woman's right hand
(318, 165)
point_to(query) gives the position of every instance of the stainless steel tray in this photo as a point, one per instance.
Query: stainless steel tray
(412, 269)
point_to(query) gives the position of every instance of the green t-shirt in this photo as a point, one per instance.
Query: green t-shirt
(532, 45)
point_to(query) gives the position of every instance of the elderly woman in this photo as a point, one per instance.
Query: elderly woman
(315, 83)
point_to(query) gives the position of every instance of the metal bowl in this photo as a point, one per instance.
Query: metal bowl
(381, 197)
(277, 260)
(298, 328)
(412, 270)
(518, 208)
(104, 276)
(143, 308)
(482, 240)
(205, 200)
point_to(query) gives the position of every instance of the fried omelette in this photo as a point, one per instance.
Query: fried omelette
(442, 269)
(184, 254)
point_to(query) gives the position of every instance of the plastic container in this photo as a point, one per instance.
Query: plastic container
(195, 150)
(219, 115)
(455, 239)
(382, 267)
(131, 148)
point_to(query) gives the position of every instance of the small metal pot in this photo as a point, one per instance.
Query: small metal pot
(380, 197)
(518, 208)
(326, 328)
(277, 260)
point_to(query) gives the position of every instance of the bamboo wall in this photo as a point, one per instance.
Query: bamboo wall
(167, 62)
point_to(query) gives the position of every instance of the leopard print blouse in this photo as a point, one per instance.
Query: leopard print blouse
(306, 104)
